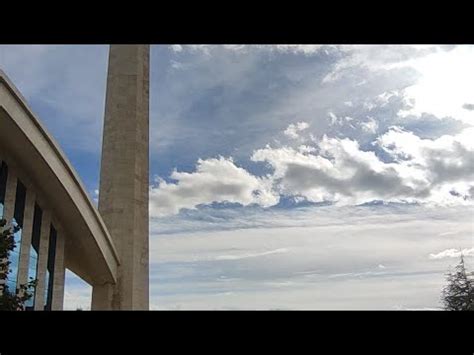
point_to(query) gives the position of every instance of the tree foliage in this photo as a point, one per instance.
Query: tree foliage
(11, 300)
(458, 294)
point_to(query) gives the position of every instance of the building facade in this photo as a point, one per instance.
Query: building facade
(59, 226)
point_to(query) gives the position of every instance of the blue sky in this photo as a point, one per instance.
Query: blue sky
(289, 177)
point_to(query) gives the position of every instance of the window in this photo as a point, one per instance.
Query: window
(34, 253)
(17, 221)
(50, 269)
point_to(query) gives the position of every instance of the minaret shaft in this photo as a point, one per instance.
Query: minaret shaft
(124, 179)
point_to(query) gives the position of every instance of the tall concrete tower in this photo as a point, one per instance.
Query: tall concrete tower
(123, 194)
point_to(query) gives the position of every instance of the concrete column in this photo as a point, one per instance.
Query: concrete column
(123, 197)
(59, 272)
(9, 203)
(103, 297)
(8, 190)
(10, 195)
(42, 260)
(26, 236)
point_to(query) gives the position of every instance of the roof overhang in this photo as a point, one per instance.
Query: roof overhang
(90, 252)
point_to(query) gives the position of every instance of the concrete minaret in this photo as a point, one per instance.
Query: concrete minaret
(123, 194)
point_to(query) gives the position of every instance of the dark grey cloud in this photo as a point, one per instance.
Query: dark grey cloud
(469, 107)
(451, 166)
(385, 185)
(448, 159)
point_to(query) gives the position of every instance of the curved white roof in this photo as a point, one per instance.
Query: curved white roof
(90, 252)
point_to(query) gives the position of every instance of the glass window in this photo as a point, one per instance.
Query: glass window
(34, 253)
(17, 221)
(50, 269)
(3, 185)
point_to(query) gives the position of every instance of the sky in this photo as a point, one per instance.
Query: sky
(285, 176)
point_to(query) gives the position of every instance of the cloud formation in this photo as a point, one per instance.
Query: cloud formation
(305, 258)
(284, 48)
(294, 129)
(251, 255)
(469, 107)
(452, 253)
(445, 163)
(215, 180)
(335, 170)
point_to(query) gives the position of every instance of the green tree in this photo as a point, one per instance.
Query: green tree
(458, 294)
(11, 300)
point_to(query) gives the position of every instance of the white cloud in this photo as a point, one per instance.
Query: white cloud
(446, 83)
(299, 48)
(340, 172)
(307, 49)
(444, 75)
(337, 170)
(176, 65)
(452, 253)
(251, 255)
(189, 272)
(423, 170)
(176, 47)
(215, 180)
(370, 125)
(375, 58)
(447, 163)
(294, 129)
